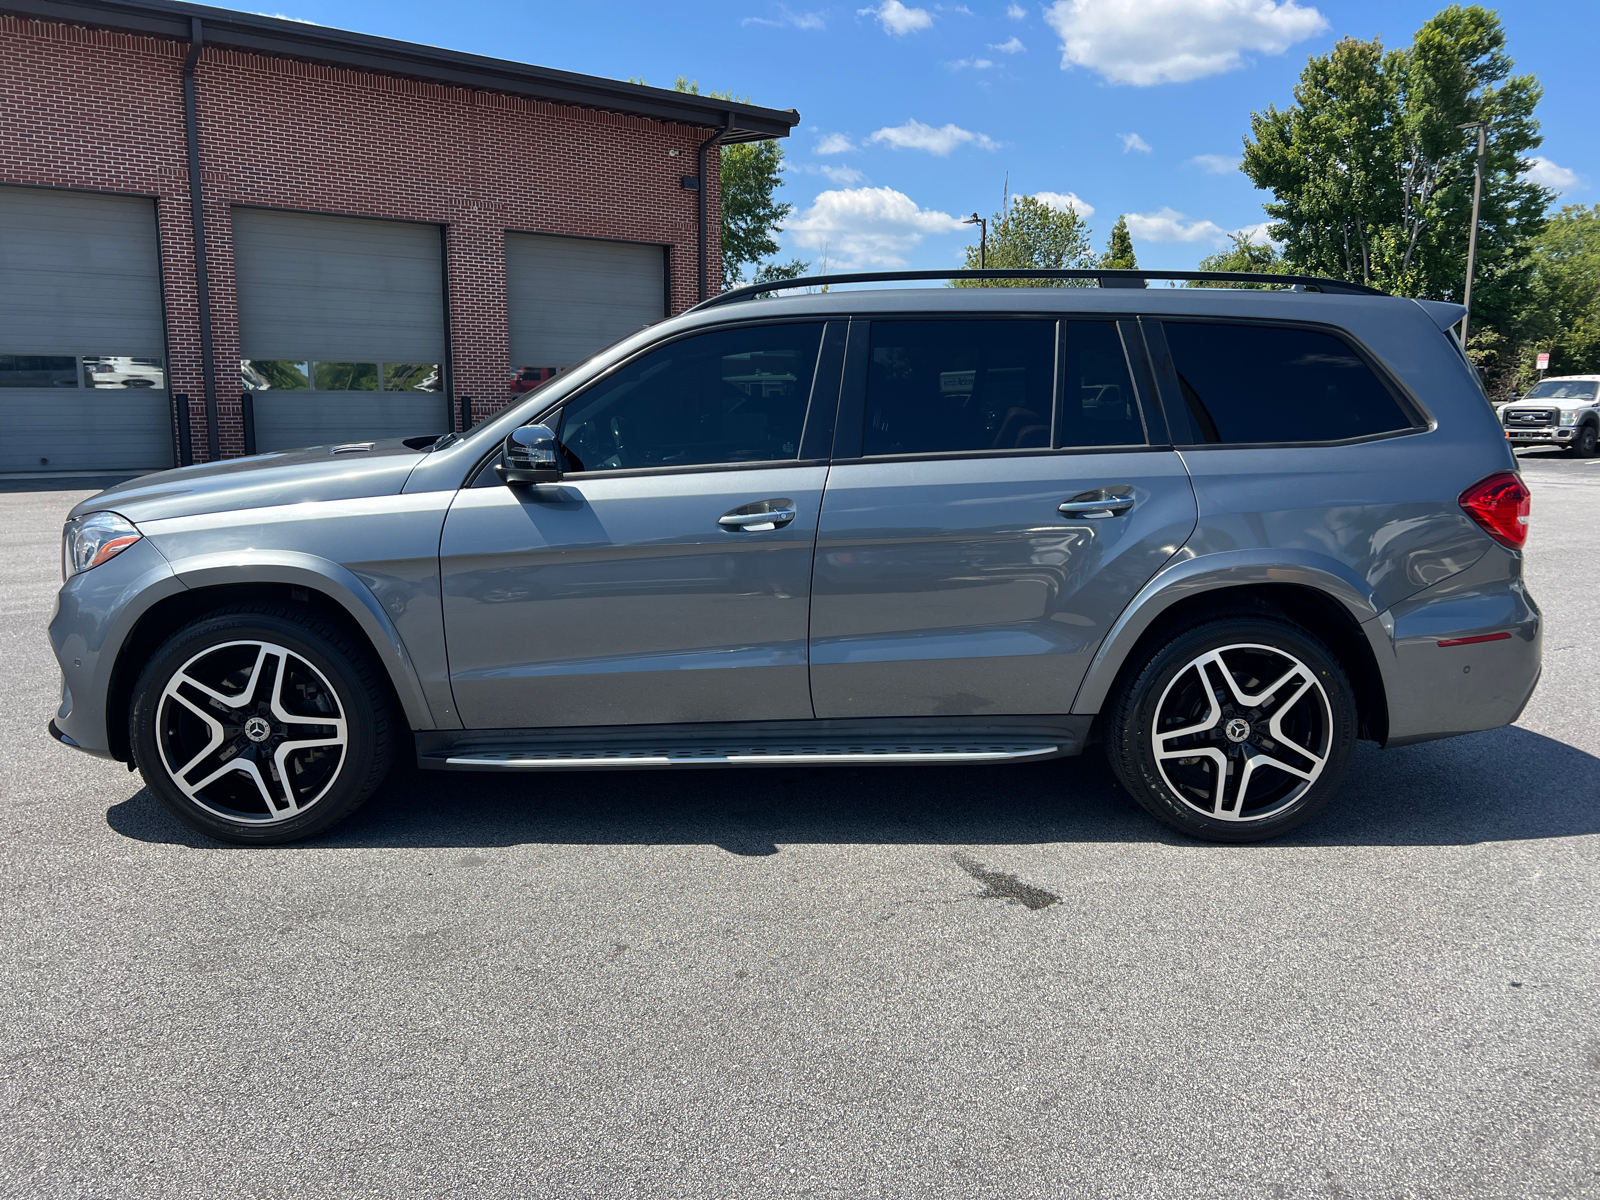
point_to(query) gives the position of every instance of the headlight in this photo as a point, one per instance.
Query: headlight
(89, 541)
(1569, 416)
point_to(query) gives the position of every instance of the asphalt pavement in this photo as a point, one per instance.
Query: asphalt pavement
(1001, 982)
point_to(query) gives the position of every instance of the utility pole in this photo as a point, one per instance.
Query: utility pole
(983, 239)
(1472, 239)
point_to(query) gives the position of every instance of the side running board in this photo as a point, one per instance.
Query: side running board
(771, 755)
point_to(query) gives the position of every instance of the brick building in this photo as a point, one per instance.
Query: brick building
(386, 228)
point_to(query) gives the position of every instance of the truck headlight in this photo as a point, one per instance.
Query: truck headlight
(89, 541)
(1569, 416)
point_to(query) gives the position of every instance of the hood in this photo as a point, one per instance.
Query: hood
(263, 480)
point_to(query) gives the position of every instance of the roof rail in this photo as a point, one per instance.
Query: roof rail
(1106, 279)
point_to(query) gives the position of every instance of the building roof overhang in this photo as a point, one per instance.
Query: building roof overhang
(363, 52)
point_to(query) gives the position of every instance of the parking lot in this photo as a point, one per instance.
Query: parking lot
(876, 982)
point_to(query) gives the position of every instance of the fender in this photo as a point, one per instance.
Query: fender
(1187, 574)
(311, 571)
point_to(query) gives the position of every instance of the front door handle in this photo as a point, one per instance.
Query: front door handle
(1101, 502)
(761, 517)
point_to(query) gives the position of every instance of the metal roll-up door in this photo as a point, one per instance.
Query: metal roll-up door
(341, 327)
(82, 340)
(570, 296)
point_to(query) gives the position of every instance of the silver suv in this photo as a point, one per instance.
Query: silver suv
(1223, 533)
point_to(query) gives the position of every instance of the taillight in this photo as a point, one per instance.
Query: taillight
(1500, 505)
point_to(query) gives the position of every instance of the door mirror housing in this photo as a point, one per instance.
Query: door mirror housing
(529, 456)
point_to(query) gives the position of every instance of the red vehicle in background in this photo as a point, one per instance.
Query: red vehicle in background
(526, 379)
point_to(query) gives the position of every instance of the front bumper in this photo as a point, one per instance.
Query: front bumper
(1546, 435)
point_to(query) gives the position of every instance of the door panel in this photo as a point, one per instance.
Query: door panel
(615, 601)
(954, 586)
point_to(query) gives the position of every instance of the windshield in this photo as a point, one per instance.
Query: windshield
(1563, 389)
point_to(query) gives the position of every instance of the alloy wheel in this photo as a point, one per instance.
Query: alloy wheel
(1242, 732)
(251, 732)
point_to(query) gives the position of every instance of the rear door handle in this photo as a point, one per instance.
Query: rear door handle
(760, 517)
(1101, 502)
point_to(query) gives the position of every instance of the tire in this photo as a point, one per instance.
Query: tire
(235, 704)
(1584, 444)
(1286, 722)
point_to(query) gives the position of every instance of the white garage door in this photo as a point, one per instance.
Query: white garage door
(569, 297)
(82, 375)
(341, 327)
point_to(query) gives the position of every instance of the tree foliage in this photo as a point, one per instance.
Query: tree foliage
(1119, 254)
(1030, 234)
(1244, 255)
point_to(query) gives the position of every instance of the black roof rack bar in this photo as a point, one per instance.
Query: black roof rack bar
(1106, 279)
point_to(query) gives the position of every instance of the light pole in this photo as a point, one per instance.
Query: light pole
(1472, 238)
(983, 239)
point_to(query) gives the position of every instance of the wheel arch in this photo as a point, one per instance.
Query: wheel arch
(213, 586)
(1327, 604)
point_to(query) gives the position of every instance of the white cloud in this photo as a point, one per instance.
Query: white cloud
(867, 226)
(1216, 164)
(1066, 200)
(284, 17)
(1552, 175)
(1168, 226)
(897, 19)
(1145, 42)
(1256, 235)
(1132, 141)
(1016, 12)
(955, 8)
(844, 176)
(834, 143)
(790, 20)
(914, 135)
(1012, 45)
(977, 64)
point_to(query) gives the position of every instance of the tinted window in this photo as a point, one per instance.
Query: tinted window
(959, 385)
(1098, 407)
(1256, 383)
(38, 371)
(737, 395)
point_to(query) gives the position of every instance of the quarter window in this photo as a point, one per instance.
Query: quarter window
(950, 386)
(1260, 383)
(1098, 407)
(731, 396)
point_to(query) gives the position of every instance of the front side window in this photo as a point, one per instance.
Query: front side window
(1263, 383)
(951, 386)
(1563, 389)
(730, 396)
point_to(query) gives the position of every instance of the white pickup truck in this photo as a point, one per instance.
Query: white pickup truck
(1563, 411)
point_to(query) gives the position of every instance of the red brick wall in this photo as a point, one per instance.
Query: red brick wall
(82, 108)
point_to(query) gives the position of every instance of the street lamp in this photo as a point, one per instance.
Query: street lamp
(1472, 239)
(983, 239)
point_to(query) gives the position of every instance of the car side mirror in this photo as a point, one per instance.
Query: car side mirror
(529, 456)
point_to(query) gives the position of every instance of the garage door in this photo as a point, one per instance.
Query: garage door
(341, 327)
(82, 375)
(569, 297)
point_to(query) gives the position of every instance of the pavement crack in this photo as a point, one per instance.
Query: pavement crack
(997, 885)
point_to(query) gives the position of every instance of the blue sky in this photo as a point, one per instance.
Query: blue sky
(915, 112)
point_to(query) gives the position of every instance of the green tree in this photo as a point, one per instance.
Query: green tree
(1244, 255)
(1371, 173)
(1562, 312)
(752, 172)
(1119, 250)
(1029, 234)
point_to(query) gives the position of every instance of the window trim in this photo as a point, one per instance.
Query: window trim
(1166, 372)
(545, 415)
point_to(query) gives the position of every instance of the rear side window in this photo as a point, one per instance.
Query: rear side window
(1262, 383)
(944, 386)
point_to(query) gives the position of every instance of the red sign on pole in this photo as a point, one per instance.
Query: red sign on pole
(1544, 362)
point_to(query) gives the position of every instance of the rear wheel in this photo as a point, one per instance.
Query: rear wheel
(1236, 731)
(258, 727)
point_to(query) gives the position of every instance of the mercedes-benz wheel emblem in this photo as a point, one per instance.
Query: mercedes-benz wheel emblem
(1235, 730)
(259, 729)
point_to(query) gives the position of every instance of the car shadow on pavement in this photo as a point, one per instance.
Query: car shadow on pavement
(1504, 785)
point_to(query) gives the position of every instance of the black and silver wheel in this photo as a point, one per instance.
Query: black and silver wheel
(1236, 731)
(258, 728)
(1584, 442)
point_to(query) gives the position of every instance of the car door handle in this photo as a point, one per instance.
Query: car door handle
(1101, 502)
(760, 517)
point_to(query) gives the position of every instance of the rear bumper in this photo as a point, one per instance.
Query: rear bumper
(1481, 681)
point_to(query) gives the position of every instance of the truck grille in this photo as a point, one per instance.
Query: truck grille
(1530, 418)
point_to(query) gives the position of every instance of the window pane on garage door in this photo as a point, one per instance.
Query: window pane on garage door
(569, 297)
(80, 278)
(343, 292)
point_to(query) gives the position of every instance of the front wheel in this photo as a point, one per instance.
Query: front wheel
(260, 727)
(1234, 732)
(1584, 442)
